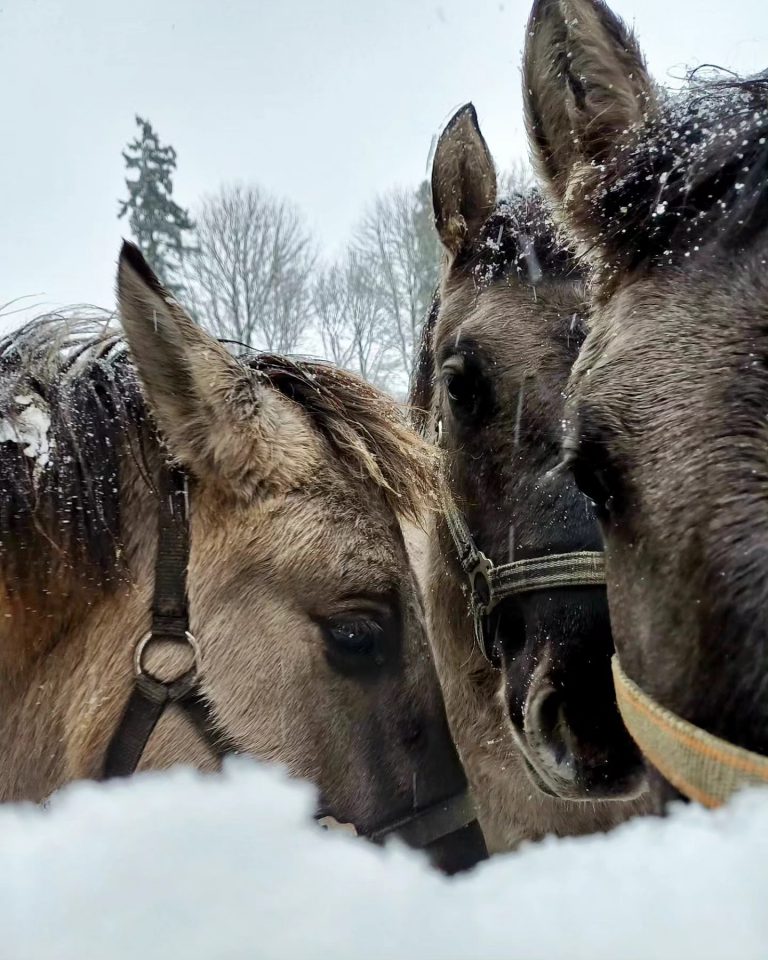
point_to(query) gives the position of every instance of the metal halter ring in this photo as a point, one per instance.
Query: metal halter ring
(480, 584)
(140, 671)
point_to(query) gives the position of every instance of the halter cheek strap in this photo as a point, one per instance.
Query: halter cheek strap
(153, 694)
(702, 766)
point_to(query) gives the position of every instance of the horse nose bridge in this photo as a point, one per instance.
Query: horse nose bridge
(569, 621)
(552, 638)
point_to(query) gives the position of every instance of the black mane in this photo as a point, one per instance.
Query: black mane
(58, 492)
(697, 174)
(519, 239)
(72, 409)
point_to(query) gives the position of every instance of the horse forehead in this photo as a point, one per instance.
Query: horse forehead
(314, 550)
(673, 315)
(661, 342)
(482, 315)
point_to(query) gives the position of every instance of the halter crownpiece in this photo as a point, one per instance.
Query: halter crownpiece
(700, 765)
(153, 693)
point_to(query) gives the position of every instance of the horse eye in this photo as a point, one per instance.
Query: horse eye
(355, 637)
(596, 475)
(593, 483)
(463, 390)
(460, 389)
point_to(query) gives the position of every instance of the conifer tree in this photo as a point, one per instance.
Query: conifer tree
(157, 222)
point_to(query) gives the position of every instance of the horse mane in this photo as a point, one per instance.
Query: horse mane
(519, 240)
(72, 408)
(696, 173)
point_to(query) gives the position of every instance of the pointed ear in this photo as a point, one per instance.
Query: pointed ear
(586, 87)
(216, 415)
(463, 181)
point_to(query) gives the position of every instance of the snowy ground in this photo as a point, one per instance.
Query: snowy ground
(231, 867)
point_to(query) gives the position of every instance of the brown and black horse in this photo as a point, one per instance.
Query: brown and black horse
(506, 326)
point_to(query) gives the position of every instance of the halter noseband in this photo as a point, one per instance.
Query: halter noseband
(702, 766)
(152, 694)
(489, 584)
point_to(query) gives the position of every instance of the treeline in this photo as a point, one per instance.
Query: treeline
(249, 268)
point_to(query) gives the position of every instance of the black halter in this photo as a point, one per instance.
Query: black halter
(152, 694)
(422, 827)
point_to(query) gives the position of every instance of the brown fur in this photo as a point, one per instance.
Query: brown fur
(300, 475)
(512, 299)
(586, 85)
(667, 426)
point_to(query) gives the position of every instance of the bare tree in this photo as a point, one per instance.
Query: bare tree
(397, 239)
(248, 277)
(351, 319)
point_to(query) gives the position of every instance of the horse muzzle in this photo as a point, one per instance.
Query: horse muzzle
(572, 752)
(447, 832)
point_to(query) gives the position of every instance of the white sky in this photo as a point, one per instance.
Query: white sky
(324, 101)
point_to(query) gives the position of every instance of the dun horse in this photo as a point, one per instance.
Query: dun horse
(503, 334)
(668, 199)
(264, 568)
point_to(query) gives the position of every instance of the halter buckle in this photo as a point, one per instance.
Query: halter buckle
(480, 585)
(482, 600)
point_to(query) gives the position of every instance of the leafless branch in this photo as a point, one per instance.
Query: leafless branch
(249, 276)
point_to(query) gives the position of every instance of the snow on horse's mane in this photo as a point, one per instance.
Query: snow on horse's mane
(71, 403)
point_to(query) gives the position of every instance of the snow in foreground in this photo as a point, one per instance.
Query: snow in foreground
(178, 865)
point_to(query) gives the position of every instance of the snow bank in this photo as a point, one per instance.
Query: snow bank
(224, 868)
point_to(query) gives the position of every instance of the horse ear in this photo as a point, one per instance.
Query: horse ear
(585, 86)
(463, 181)
(217, 417)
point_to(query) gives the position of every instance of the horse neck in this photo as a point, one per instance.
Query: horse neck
(64, 694)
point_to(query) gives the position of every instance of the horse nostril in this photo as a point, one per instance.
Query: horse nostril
(553, 725)
(547, 730)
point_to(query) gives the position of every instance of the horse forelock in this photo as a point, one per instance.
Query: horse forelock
(520, 236)
(521, 239)
(366, 429)
(696, 174)
(72, 409)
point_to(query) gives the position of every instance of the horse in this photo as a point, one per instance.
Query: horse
(527, 685)
(666, 198)
(220, 536)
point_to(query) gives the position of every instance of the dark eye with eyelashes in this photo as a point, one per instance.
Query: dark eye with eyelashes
(593, 483)
(358, 641)
(465, 387)
(595, 476)
(356, 636)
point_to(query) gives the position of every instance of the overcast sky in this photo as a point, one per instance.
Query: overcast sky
(323, 101)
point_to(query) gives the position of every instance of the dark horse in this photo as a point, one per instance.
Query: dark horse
(496, 353)
(668, 417)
